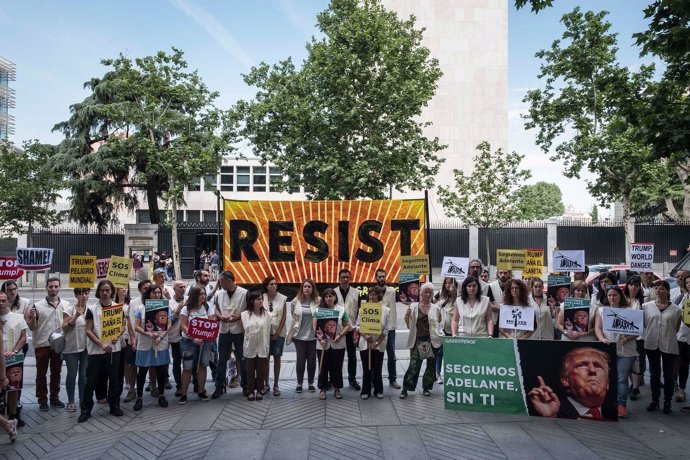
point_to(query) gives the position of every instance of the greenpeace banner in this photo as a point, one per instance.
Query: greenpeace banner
(530, 377)
(294, 240)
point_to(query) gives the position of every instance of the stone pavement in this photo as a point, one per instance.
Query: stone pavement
(300, 426)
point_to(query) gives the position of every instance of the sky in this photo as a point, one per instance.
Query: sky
(57, 46)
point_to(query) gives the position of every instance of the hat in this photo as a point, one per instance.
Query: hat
(159, 271)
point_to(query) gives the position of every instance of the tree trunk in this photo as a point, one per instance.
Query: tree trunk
(152, 200)
(682, 170)
(488, 252)
(671, 208)
(175, 243)
(629, 229)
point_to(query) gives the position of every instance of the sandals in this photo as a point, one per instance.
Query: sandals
(276, 391)
(250, 397)
(12, 432)
(337, 394)
(322, 395)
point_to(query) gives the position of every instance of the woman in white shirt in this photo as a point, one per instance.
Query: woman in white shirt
(445, 300)
(472, 316)
(626, 349)
(633, 292)
(516, 294)
(75, 355)
(578, 290)
(275, 303)
(256, 322)
(661, 323)
(543, 321)
(302, 334)
(330, 342)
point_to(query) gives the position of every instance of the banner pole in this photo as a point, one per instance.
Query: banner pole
(426, 232)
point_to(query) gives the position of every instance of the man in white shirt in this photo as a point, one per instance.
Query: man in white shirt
(43, 318)
(349, 298)
(389, 301)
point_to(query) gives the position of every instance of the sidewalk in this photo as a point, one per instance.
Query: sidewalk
(300, 426)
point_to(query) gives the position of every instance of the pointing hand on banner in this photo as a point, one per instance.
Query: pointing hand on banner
(544, 399)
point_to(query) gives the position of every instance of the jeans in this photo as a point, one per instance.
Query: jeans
(351, 357)
(624, 364)
(412, 374)
(390, 352)
(306, 354)
(225, 343)
(656, 357)
(76, 365)
(176, 364)
(45, 358)
(106, 363)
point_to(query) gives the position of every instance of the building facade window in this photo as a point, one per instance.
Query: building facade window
(259, 177)
(209, 216)
(227, 178)
(243, 178)
(194, 186)
(210, 183)
(193, 216)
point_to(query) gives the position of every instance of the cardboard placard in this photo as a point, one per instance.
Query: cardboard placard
(102, 268)
(370, 317)
(14, 370)
(34, 259)
(516, 317)
(534, 263)
(626, 321)
(641, 256)
(408, 288)
(415, 264)
(119, 271)
(156, 315)
(112, 322)
(510, 259)
(82, 271)
(203, 329)
(9, 269)
(455, 267)
(569, 261)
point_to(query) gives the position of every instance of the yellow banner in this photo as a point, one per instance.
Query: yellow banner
(534, 263)
(112, 322)
(370, 317)
(415, 264)
(119, 270)
(82, 271)
(295, 240)
(510, 259)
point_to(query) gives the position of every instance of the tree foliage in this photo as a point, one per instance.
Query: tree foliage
(146, 124)
(29, 188)
(585, 108)
(539, 201)
(594, 214)
(536, 5)
(345, 124)
(486, 197)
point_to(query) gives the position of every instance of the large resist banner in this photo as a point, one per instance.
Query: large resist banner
(529, 377)
(294, 240)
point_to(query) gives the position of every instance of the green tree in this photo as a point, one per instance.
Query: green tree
(539, 201)
(346, 123)
(536, 5)
(29, 188)
(486, 197)
(585, 107)
(594, 214)
(148, 125)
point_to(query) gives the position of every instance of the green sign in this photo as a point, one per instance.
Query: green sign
(572, 302)
(156, 304)
(326, 313)
(16, 359)
(553, 280)
(482, 375)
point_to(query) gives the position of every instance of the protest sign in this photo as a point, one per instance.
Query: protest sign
(203, 329)
(641, 256)
(626, 321)
(510, 259)
(326, 324)
(9, 269)
(34, 259)
(415, 264)
(572, 302)
(569, 261)
(558, 288)
(119, 270)
(14, 370)
(455, 267)
(512, 376)
(102, 268)
(516, 317)
(156, 315)
(534, 263)
(82, 271)
(408, 288)
(112, 322)
(370, 316)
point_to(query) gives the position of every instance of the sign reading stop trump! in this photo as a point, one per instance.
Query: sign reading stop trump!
(203, 328)
(9, 269)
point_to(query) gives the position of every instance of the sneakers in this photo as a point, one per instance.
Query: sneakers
(298, 389)
(685, 410)
(84, 416)
(440, 379)
(426, 393)
(43, 406)
(365, 396)
(182, 400)
(622, 411)
(116, 411)
(131, 396)
(312, 388)
(395, 385)
(57, 403)
(217, 394)
(138, 405)
(162, 401)
(680, 397)
(354, 385)
(12, 432)
(378, 395)
(71, 407)
(403, 394)
(203, 397)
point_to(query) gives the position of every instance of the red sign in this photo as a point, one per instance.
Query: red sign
(102, 268)
(8, 269)
(203, 328)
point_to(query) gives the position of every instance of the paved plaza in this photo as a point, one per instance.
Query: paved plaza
(299, 426)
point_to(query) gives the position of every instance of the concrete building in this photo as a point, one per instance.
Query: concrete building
(8, 73)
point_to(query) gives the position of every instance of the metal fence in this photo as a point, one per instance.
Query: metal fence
(68, 241)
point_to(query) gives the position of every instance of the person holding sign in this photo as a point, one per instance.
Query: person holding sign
(195, 350)
(75, 355)
(626, 348)
(151, 326)
(661, 323)
(274, 303)
(14, 338)
(43, 318)
(256, 322)
(472, 316)
(515, 294)
(543, 320)
(425, 338)
(633, 292)
(104, 355)
(581, 328)
(331, 323)
(445, 299)
(372, 346)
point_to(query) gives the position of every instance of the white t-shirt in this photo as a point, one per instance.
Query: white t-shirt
(75, 338)
(201, 312)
